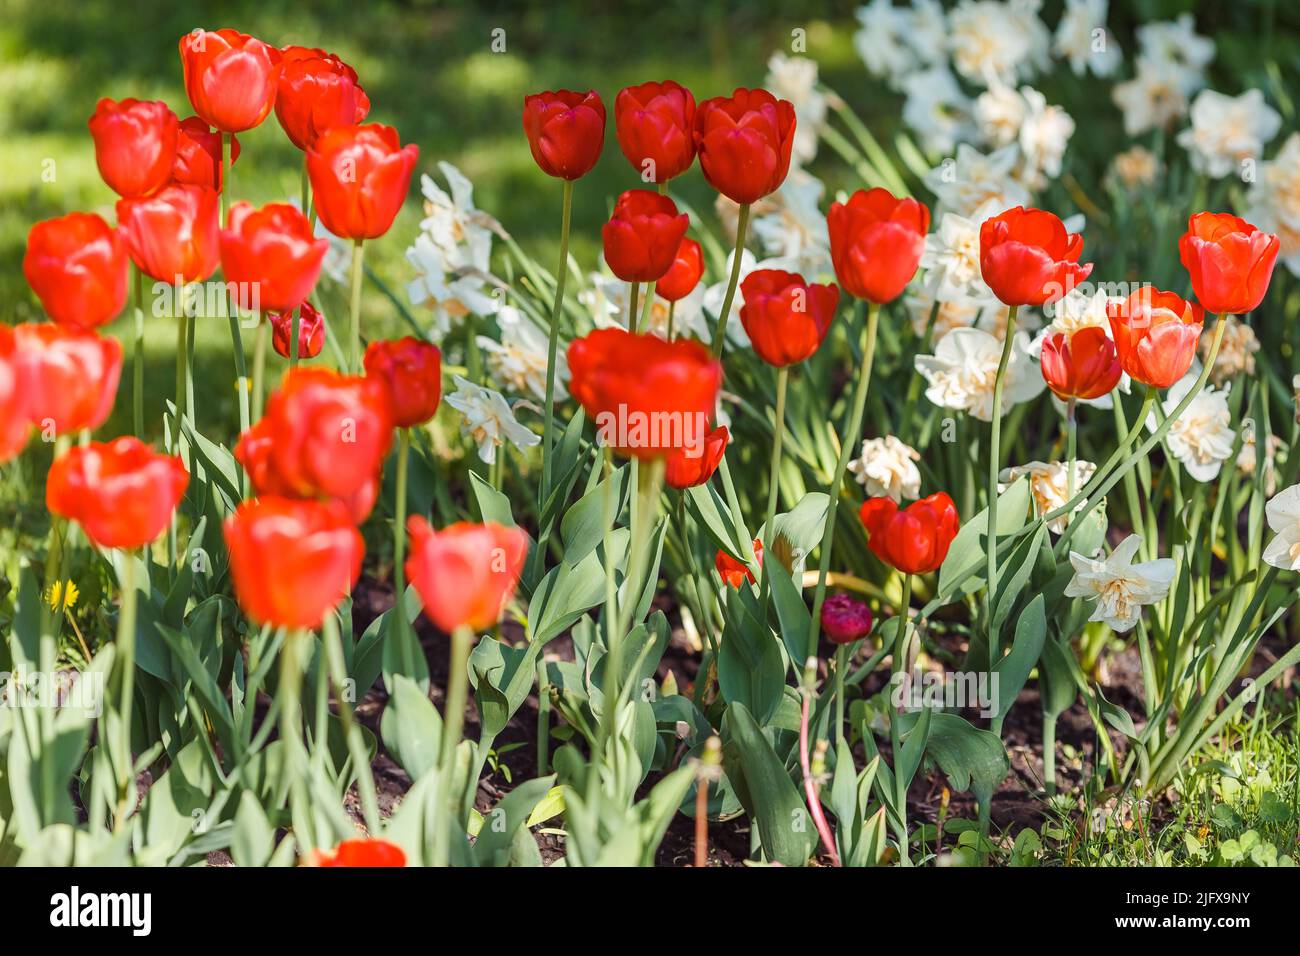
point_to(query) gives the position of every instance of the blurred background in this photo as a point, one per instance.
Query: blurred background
(431, 72)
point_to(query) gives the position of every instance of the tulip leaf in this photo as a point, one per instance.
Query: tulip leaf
(411, 727)
(765, 789)
(1013, 670)
(712, 515)
(751, 670)
(583, 525)
(962, 571)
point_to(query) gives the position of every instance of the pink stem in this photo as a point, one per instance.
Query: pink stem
(810, 787)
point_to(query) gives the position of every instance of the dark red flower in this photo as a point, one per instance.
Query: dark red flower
(410, 369)
(744, 141)
(655, 124)
(565, 130)
(76, 265)
(845, 619)
(311, 332)
(914, 539)
(785, 317)
(642, 236)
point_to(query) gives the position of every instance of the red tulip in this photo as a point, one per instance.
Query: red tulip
(270, 256)
(687, 471)
(1230, 261)
(466, 572)
(76, 265)
(1083, 364)
(368, 852)
(14, 424)
(172, 235)
(230, 77)
(684, 274)
(914, 539)
(1027, 257)
(785, 317)
(67, 378)
(655, 124)
(135, 145)
(292, 561)
(642, 236)
(644, 394)
(1156, 334)
(565, 130)
(876, 243)
(198, 154)
(317, 92)
(845, 619)
(359, 177)
(410, 369)
(733, 572)
(311, 332)
(122, 492)
(324, 435)
(744, 141)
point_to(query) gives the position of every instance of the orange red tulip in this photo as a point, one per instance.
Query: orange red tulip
(67, 378)
(77, 267)
(270, 256)
(135, 144)
(1028, 258)
(172, 236)
(785, 317)
(915, 539)
(1156, 334)
(359, 178)
(876, 243)
(1230, 261)
(230, 77)
(1082, 364)
(466, 572)
(316, 93)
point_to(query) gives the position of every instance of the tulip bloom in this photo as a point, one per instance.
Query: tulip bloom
(1081, 364)
(172, 235)
(135, 145)
(684, 274)
(198, 154)
(914, 539)
(1156, 334)
(358, 852)
(655, 124)
(324, 435)
(785, 318)
(642, 236)
(317, 92)
(876, 243)
(67, 378)
(122, 492)
(1230, 261)
(565, 130)
(230, 77)
(744, 141)
(76, 265)
(644, 394)
(311, 332)
(733, 572)
(845, 619)
(359, 177)
(410, 370)
(14, 426)
(685, 471)
(271, 256)
(292, 561)
(466, 572)
(1027, 257)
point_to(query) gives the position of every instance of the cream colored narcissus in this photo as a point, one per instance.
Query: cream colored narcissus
(1201, 438)
(488, 419)
(886, 468)
(1049, 485)
(1283, 515)
(963, 369)
(1120, 587)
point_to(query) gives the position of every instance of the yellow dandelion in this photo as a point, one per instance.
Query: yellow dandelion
(62, 597)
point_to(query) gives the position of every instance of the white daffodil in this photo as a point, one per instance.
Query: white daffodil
(518, 361)
(1153, 99)
(1273, 202)
(882, 41)
(1236, 354)
(951, 258)
(1248, 459)
(993, 41)
(793, 227)
(1283, 514)
(488, 419)
(1120, 587)
(1049, 486)
(1083, 40)
(452, 220)
(1177, 44)
(963, 370)
(1201, 438)
(1134, 169)
(927, 31)
(971, 180)
(1000, 113)
(794, 78)
(887, 467)
(1228, 130)
(1044, 135)
(936, 110)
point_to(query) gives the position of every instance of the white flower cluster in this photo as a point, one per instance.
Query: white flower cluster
(1169, 69)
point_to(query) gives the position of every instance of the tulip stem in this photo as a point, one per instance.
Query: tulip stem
(847, 443)
(399, 549)
(126, 662)
(995, 454)
(137, 364)
(633, 302)
(289, 697)
(351, 729)
(841, 664)
(259, 366)
(1071, 445)
(672, 307)
(453, 722)
(358, 262)
(895, 734)
(553, 342)
(647, 308)
(774, 483)
(720, 330)
(295, 335)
